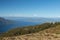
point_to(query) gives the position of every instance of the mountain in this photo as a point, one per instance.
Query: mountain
(3, 22)
(46, 31)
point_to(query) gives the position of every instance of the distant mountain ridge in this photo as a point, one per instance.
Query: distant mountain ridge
(34, 19)
(2, 21)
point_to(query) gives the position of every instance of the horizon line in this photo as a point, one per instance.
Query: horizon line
(29, 16)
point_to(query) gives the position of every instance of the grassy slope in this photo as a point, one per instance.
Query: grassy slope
(47, 31)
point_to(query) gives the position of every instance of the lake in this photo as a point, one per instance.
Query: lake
(17, 24)
(25, 21)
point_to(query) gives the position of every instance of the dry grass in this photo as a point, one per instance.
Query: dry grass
(35, 36)
(47, 34)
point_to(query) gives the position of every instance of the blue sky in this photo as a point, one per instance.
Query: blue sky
(30, 8)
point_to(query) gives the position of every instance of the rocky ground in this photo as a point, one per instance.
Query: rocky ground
(35, 36)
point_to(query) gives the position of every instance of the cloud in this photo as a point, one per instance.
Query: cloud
(20, 15)
(35, 15)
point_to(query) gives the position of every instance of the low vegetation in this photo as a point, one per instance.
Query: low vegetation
(29, 29)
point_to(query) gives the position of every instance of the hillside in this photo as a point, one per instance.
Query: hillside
(4, 22)
(46, 31)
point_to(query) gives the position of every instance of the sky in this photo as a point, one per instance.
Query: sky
(30, 8)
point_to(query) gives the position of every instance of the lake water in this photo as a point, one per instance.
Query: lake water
(17, 24)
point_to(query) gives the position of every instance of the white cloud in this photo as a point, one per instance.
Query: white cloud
(20, 15)
(35, 15)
